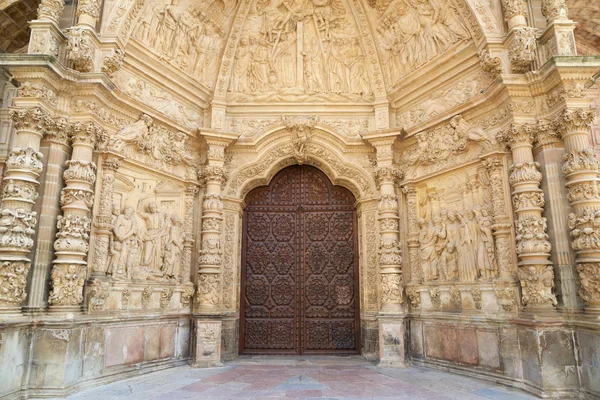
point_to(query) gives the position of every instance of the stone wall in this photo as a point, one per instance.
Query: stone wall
(54, 357)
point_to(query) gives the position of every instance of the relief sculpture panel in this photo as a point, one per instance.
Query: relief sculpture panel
(146, 241)
(188, 35)
(456, 241)
(297, 51)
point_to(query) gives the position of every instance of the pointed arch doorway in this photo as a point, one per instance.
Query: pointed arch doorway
(299, 291)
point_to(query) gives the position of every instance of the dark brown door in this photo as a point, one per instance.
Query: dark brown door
(299, 274)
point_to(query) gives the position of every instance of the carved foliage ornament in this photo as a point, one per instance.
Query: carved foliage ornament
(89, 7)
(67, 284)
(17, 228)
(513, 8)
(50, 9)
(491, 65)
(113, 62)
(537, 282)
(589, 276)
(13, 279)
(79, 49)
(522, 50)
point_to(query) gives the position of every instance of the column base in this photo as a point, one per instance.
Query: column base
(207, 348)
(392, 341)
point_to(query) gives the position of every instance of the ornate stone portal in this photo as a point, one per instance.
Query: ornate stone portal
(131, 137)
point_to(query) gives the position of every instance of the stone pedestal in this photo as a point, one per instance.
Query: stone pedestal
(207, 349)
(392, 341)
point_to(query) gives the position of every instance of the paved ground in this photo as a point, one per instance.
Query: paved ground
(301, 378)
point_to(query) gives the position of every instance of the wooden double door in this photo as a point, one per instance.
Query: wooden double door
(299, 267)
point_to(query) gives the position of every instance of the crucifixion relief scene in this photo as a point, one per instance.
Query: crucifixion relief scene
(300, 199)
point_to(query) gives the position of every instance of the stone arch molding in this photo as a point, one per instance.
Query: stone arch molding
(318, 151)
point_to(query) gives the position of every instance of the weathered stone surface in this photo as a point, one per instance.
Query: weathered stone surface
(470, 150)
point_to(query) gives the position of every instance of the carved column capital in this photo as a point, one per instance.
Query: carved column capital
(390, 174)
(88, 7)
(513, 8)
(494, 163)
(30, 119)
(517, 135)
(555, 10)
(214, 174)
(547, 132)
(575, 120)
(58, 131)
(491, 65)
(50, 10)
(86, 134)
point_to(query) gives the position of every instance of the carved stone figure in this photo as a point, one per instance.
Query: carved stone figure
(152, 240)
(173, 249)
(125, 246)
(467, 262)
(486, 260)
(415, 32)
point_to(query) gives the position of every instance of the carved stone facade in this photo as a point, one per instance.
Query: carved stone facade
(130, 141)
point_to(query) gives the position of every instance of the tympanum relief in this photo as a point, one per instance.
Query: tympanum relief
(410, 33)
(187, 34)
(297, 51)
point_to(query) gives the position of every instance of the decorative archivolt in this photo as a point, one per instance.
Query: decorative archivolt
(300, 149)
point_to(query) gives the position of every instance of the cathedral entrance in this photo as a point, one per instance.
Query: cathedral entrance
(299, 267)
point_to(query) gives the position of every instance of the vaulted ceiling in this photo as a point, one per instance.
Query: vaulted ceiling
(587, 33)
(14, 31)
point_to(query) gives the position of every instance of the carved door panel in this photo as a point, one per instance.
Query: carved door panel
(299, 289)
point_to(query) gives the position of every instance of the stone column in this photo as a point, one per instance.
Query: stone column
(413, 234)
(515, 12)
(23, 168)
(210, 260)
(88, 12)
(46, 36)
(533, 248)
(103, 224)
(55, 145)
(549, 151)
(188, 231)
(581, 170)
(558, 37)
(69, 269)
(390, 258)
(521, 39)
(501, 227)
